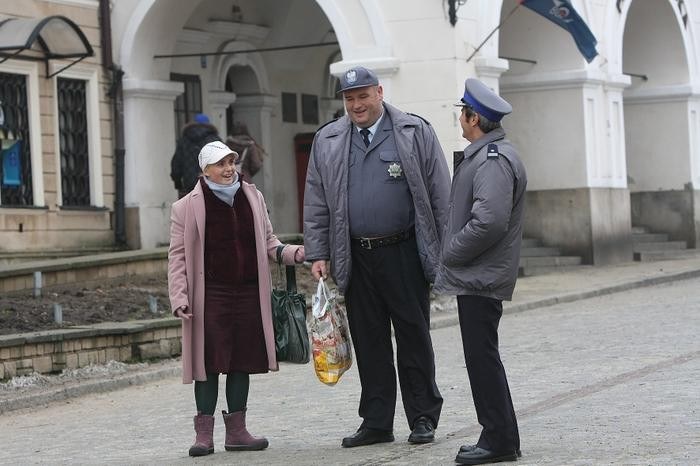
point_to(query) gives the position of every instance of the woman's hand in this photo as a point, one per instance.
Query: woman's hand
(183, 312)
(300, 255)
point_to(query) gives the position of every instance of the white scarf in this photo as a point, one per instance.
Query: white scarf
(225, 192)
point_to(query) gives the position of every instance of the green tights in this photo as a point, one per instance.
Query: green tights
(237, 385)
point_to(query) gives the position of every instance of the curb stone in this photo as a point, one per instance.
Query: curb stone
(453, 318)
(80, 388)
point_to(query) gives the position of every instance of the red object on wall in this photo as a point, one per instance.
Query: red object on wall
(302, 151)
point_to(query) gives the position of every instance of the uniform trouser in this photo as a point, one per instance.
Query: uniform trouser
(388, 288)
(478, 320)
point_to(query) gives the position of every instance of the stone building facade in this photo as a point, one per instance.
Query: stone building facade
(609, 144)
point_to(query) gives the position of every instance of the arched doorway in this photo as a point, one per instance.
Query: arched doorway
(661, 122)
(564, 110)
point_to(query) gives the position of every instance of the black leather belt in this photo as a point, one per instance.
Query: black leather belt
(380, 241)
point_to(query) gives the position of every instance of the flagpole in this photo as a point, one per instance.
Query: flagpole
(494, 31)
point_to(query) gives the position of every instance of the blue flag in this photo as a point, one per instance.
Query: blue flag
(562, 13)
(11, 168)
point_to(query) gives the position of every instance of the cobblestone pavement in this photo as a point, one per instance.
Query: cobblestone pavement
(606, 380)
(598, 379)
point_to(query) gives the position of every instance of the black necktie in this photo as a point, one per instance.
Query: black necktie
(365, 136)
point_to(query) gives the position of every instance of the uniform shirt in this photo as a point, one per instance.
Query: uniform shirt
(379, 199)
(372, 129)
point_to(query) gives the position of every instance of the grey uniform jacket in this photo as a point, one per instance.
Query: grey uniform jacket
(481, 251)
(326, 227)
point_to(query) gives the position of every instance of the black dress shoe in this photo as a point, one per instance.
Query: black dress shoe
(423, 431)
(478, 455)
(471, 447)
(367, 436)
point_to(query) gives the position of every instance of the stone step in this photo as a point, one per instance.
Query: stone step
(539, 252)
(639, 230)
(549, 261)
(659, 246)
(648, 256)
(649, 237)
(535, 270)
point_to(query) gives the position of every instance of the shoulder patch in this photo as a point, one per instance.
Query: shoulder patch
(492, 151)
(418, 116)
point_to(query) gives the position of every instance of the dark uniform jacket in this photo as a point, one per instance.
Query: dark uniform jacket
(481, 251)
(326, 228)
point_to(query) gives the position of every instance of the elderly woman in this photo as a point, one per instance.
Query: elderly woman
(219, 285)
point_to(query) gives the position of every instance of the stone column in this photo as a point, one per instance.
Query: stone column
(219, 101)
(149, 129)
(577, 198)
(256, 111)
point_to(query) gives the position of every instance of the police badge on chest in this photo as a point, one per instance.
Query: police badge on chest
(395, 170)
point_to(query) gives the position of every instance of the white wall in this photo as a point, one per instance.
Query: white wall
(657, 145)
(565, 110)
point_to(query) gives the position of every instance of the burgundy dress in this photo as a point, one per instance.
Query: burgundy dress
(233, 331)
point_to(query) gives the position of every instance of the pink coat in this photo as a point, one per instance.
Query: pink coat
(186, 273)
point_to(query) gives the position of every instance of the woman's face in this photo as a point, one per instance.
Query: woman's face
(223, 171)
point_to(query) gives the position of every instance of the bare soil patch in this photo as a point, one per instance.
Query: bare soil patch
(116, 300)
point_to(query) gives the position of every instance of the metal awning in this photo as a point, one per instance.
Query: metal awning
(43, 39)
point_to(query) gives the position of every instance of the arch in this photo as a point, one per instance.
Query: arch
(242, 79)
(361, 32)
(152, 28)
(252, 60)
(660, 160)
(616, 28)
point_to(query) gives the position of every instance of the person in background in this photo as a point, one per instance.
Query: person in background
(251, 154)
(480, 258)
(184, 168)
(374, 206)
(219, 285)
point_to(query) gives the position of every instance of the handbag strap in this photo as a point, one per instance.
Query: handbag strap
(291, 279)
(279, 253)
(291, 273)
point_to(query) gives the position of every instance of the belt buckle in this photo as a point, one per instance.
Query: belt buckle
(366, 243)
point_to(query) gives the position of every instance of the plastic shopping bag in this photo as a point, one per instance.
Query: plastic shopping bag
(330, 336)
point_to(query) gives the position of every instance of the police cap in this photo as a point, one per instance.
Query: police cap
(356, 77)
(483, 100)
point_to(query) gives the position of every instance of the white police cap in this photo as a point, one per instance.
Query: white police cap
(483, 100)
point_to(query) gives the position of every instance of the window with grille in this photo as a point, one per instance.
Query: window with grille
(189, 103)
(73, 133)
(15, 164)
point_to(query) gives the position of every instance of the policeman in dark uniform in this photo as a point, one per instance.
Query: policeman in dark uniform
(480, 258)
(374, 205)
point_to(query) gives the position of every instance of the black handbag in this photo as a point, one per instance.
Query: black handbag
(289, 319)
